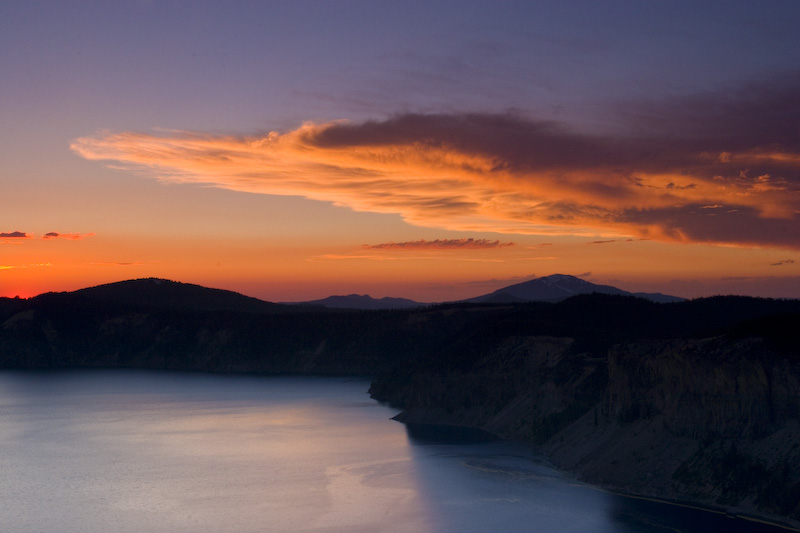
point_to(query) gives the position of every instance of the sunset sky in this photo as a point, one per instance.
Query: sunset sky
(429, 150)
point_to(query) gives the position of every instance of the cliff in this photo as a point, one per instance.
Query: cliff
(712, 421)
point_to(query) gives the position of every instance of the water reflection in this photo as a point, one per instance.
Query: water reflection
(483, 484)
(511, 480)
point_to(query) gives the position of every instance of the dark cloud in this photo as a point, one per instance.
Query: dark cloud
(602, 242)
(763, 113)
(784, 262)
(440, 244)
(14, 235)
(696, 223)
(70, 236)
(511, 141)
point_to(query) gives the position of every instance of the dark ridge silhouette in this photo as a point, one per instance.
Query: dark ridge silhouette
(364, 302)
(558, 287)
(166, 294)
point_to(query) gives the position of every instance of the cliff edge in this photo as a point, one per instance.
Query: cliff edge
(711, 421)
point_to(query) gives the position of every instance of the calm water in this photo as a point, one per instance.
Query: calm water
(133, 451)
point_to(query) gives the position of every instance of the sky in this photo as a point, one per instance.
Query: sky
(428, 150)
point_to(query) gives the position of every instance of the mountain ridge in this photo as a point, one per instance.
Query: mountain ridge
(179, 295)
(557, 287)
(552, 288)
(361, 301)
(176, 295)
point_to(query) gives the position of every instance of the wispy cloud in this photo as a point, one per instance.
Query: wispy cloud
(694, 170)
(368, 257)
(29, 265)
(47, 236)
(441, 244)
(383, 257)
(784, 262)
(70, 236)
(120, 263)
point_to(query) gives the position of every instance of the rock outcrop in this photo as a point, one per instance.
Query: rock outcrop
(712, 421)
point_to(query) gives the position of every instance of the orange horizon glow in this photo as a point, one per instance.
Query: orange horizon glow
(423, 273)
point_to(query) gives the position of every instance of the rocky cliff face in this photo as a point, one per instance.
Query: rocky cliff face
(526, 388)
(713, 421)
(711, 388)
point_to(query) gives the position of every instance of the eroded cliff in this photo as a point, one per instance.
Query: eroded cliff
(712, 421)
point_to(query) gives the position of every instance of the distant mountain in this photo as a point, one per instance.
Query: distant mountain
(166, 294)
(361, 301)
(560, 287)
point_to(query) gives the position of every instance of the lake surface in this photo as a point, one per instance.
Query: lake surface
(133, 451)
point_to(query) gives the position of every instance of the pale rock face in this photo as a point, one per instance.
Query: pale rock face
(704, 388)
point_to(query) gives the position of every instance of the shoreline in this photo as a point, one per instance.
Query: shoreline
(411, 421)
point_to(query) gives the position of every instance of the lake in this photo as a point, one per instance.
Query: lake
(133, 451)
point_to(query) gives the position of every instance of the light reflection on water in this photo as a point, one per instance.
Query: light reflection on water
(157, 451)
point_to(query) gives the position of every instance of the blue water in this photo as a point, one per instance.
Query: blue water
(133, 451)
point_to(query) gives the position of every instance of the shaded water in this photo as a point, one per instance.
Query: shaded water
(170, 452)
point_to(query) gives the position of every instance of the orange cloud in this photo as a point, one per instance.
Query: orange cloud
(33, 265)
(441, 244)
(505, 173)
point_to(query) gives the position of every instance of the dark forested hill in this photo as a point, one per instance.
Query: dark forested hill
(166, 294)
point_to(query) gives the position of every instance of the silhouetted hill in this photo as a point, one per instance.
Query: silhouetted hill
(363, 302)
(166, 294)
(559, 287)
